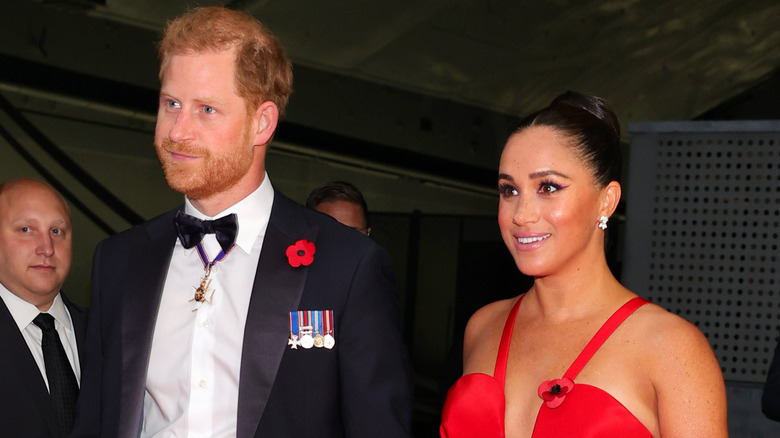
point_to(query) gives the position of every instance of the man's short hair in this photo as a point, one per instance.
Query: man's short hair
(263, 72)
(338, 191)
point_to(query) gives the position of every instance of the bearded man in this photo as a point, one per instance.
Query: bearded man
(241, 313)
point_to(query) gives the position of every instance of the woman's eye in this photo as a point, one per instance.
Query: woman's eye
(506, 190)
(548, 188)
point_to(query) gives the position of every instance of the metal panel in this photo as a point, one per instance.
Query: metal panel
(703, 209)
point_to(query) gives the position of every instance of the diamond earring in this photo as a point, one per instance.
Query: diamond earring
(603, 222)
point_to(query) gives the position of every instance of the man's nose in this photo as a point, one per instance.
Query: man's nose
(46, 245)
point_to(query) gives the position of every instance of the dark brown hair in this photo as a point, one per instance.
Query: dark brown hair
(338, 191)
(593, 128)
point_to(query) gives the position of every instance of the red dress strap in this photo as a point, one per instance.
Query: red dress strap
(601, 336)
(503, 348)
(475, 404)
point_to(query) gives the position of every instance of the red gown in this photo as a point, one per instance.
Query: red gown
(475, 405)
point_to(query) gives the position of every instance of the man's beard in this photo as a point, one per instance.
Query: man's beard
(211, 175)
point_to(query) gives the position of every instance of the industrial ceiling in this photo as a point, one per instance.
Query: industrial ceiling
(432, 83)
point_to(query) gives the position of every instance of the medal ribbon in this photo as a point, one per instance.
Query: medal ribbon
(207, 265)
(328, 317)
(294, 323)
(200, 292)
(317, 322)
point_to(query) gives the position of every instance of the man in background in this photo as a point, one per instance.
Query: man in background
(342, 201)
(40, 330)
(241, 313)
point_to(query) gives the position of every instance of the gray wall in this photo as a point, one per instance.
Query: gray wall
(702, 221)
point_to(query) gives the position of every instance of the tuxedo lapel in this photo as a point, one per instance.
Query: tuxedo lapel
(145, 278)
(277, 290)
(16, 351)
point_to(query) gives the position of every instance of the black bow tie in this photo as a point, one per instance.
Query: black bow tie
(191, 230)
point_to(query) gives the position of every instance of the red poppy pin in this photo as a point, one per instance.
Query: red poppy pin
(553, 392)
(301, 253)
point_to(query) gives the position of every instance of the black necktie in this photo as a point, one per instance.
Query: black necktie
(191, 230)
(63, 387)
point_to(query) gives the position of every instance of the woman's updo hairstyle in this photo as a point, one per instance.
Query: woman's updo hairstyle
(593, 127)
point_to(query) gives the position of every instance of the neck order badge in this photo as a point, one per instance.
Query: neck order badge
(205, 282)
(191, 231)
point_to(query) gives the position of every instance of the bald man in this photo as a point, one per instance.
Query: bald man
(40, 330)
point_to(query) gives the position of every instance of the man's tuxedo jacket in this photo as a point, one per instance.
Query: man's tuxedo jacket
(25, 407)
(360, 388)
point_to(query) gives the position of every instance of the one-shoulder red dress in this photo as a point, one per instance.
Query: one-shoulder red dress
(475, 405)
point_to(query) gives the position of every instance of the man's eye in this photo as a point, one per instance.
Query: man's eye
(209, 110)
(173, 104)
(24, 229)
(56, 231)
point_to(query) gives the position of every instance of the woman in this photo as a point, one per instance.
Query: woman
(647, 373)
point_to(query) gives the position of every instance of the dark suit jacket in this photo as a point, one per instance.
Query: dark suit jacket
(360, 388)
(770, 399)
(25, 407)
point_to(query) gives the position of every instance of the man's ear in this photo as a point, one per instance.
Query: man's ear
(610, 197)
(266, 117)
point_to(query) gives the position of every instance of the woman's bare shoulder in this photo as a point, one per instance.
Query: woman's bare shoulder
(483, 331)
(487, 317)
(665, 330)
(685, 374)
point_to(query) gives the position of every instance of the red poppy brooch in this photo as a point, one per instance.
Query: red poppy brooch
(553, 392)
(301, 253)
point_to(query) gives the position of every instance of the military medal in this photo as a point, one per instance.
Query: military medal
(327, 319)
(311, 328)
(307, 340)
(293, 342)
(318, 340)
(329, 342)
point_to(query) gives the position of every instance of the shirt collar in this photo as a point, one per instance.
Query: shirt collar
(24, 312)
(254, 212)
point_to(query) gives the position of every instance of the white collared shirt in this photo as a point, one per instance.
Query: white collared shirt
(24, 313)
(193, 376)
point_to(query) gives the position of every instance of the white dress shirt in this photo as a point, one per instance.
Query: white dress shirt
(24, 313)
(193, 376)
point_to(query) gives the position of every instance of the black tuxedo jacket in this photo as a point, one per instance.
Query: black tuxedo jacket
(25, 407)
(360, 388)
